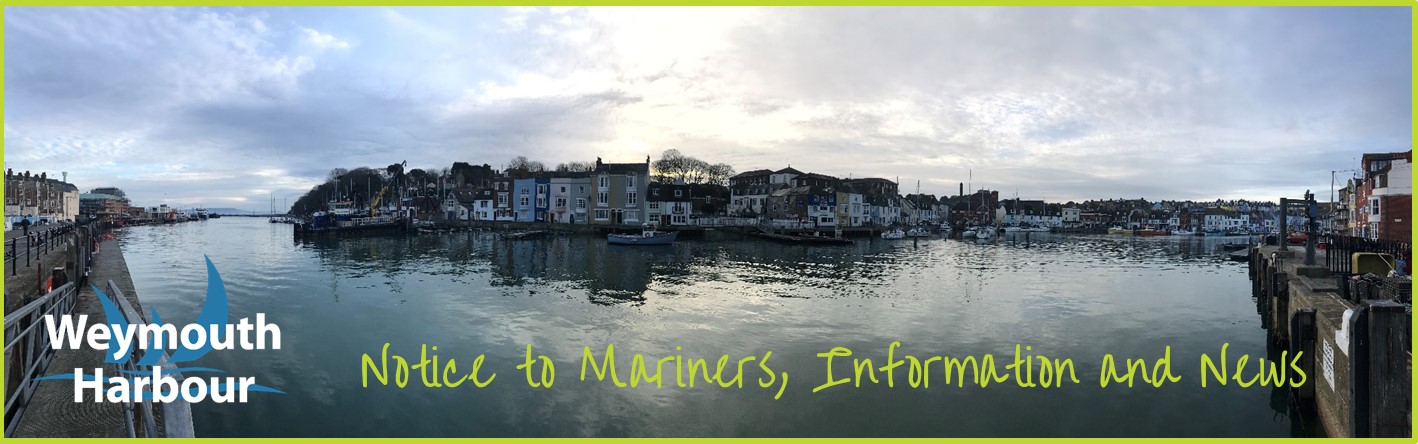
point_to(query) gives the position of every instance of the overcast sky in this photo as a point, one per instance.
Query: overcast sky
(225, 106)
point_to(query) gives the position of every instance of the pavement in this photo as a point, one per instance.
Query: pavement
(52, 411)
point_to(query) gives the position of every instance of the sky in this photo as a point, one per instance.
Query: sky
(235, 107)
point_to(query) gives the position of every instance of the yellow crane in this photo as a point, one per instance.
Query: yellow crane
(375, 203)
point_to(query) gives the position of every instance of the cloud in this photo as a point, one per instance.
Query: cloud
(1063, 103)
(324, 41)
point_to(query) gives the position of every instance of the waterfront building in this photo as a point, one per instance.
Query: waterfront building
(483, 204)
(40, 197)
(459, 204)
(748, 193)
(1383, 199)
(570, 198)
(669, 203)
(850, 211)
(104, 206)
(619, 190)
(502, 208)
(708, 200)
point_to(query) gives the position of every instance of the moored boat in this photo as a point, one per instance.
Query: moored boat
(647, 236)
(894, 233)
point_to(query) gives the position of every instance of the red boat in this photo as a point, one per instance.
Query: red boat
(1297, 238)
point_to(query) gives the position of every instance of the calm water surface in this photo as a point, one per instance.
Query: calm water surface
(476, 293)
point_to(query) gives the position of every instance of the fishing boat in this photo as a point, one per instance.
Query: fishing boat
(201, 213)
(945, 228)
(648, 236)
(892, 234)
(1150, 232)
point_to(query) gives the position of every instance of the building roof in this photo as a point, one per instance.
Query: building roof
(788, 170)
(99, 196)
(752, 173)
(622, 168)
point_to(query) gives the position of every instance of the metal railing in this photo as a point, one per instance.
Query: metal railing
(32, 246)
(28, 351)
(176, 414)
(1341, 248)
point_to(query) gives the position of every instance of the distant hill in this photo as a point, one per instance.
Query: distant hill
(227, 211)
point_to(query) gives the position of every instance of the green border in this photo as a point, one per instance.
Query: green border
(1413, 12)
(710, 3)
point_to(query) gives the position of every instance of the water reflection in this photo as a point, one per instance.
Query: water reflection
(479, 292)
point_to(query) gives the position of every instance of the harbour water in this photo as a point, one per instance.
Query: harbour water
(472, 293)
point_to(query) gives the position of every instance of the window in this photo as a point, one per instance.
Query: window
(524, 202)
(1374, 207)
(561, 202)
(630, 199)
(605, 181)
(581, 189)
(601, 199)
(603, 214)
(580, 204)
(679, 193)
(630, 180)
(502, 199)
(654, 205)
(563, 188)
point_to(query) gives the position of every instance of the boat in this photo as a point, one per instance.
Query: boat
(968, 233)
(894, 233)
(201, 214)
(1119, 230)
(1038, 229)
(215, 216)
(945, 228)
(1183, 233)
(648, 236)
(1150, 232)
(984, 233)
(918, 232)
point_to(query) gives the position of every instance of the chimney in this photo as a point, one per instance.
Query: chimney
(962, 188)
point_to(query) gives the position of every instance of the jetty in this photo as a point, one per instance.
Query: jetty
(1351, 321)
(33, 408)
(801, 240)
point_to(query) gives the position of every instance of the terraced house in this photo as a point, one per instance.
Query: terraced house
(619, 193)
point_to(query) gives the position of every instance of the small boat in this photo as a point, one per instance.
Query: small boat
(1183, 233)
(1038, 230)
(945, 228)
(894, 233)
(984, 233)
(647, 236)
(918, 232)
(968, 233)
(1119, 230)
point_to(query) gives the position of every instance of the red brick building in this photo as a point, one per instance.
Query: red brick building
(1383, 197)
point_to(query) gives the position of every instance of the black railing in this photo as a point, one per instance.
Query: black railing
(29, 248)
(1341, 248)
